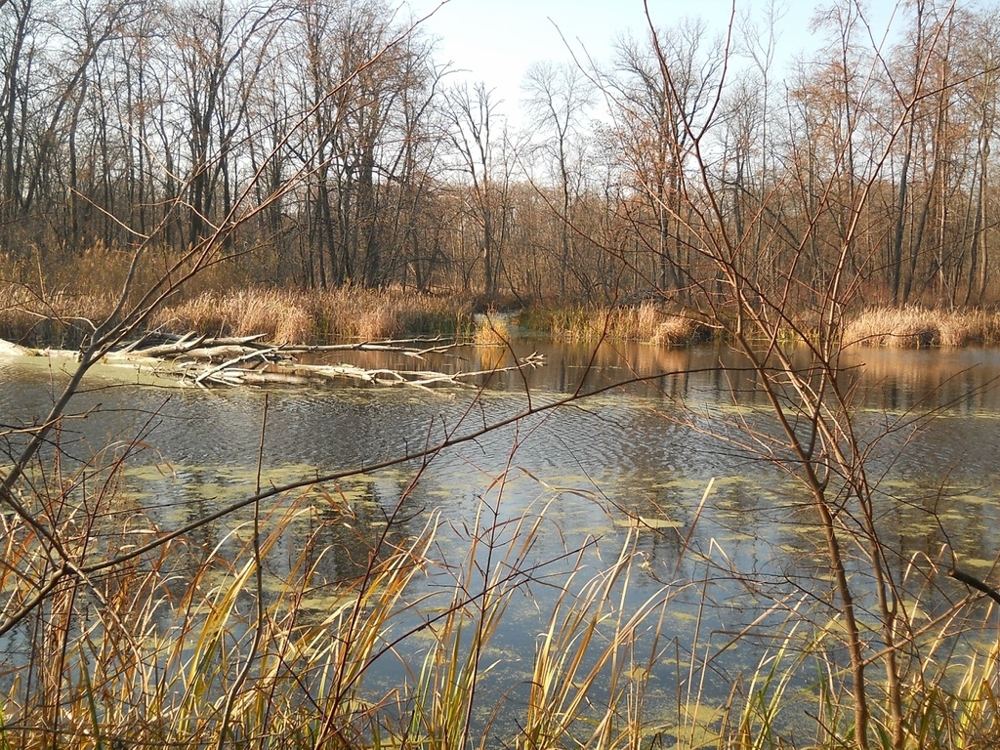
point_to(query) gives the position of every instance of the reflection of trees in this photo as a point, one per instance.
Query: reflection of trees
(340, 537)
(331, 531)
(960, 380)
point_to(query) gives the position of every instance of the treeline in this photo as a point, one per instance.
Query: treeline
(363, 162)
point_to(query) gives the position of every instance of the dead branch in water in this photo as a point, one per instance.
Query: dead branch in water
(284, 373)
(205, 361)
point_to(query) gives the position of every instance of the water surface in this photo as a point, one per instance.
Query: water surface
(641, 457)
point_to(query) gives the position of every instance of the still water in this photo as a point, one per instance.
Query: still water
(639, 462)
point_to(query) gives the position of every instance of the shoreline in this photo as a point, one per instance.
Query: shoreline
(285, 316)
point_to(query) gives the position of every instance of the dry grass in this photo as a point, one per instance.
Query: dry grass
(679, 331)
(56, 319)
(187, 651)
(34, 315)
(282, 315)
(915, 327)
(56, 305)
(290, 316)
(490, 330)
(644, 322)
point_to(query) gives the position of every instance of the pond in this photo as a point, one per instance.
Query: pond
(647, 464)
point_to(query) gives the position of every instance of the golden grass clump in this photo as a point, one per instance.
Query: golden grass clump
(59, 319)
(652, 323)
(284, 316)
(48, 305)
(647, 321)
(292, 316)
(679, 331)
(278, 314)
(372, 314)
(490, 330)
(592, 323)
(916, 327)
(972, 328)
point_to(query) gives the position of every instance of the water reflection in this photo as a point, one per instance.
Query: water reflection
(645, 448)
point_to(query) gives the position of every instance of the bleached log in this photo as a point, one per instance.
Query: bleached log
(240, 358)
(232, 373)
(407, 347)
(239, 361)
(181, 346)
(215, 353)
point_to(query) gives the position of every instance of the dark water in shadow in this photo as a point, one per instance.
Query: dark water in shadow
(715, 519)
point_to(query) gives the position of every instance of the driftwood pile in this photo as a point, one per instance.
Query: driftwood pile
(206, 361)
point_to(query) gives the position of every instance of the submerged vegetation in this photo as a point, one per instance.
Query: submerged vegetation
(286, 630)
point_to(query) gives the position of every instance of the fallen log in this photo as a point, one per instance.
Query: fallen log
(302, 374)
(291, 373)
(203, 361)
(172, 346)
(241, 356)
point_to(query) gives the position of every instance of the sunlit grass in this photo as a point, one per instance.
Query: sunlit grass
(915, 327)
(56, 305)
(288, 316)
(490, 330)
(43, 317)
(647, 322)
(193, 648)
(283, 316)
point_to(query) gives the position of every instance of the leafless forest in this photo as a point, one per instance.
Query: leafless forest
(361, 159)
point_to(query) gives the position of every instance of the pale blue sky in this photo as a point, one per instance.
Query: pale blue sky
(496, 40)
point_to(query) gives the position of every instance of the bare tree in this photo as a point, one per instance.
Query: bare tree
(837, 164)
(558, 100)
(477, 136)
(662, 91)
(19, 52)
(982, 45)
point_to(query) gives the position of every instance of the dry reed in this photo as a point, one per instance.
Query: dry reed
(289, 316)
(679, 331)
(490, 330)
(647, 322)
(57, 304)
(282, 315)
(162, 652)
(915, 327)
(165, 648)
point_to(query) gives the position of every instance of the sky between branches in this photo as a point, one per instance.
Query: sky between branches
(495, 41)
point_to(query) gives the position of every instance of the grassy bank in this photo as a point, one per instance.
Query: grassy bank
(34, 315)
(646, 322)
(283, 316)
(349, 314)
(915, 327)
(287, 316)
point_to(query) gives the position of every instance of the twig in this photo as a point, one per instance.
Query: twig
(975, 583)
